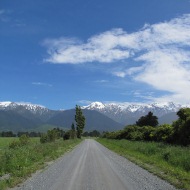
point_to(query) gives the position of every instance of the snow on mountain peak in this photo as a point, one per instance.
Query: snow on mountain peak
(29, 105)
(5, 104)
(95, 105)
(34, 108)
(134, 107)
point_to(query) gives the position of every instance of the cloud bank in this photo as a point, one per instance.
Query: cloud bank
(162, 52)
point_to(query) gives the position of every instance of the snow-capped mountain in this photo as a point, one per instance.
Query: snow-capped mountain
(28, 110)
(128, 113)
(34, 108)
(26, 117)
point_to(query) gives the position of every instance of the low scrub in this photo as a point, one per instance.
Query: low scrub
(169, 162)
(23, 157)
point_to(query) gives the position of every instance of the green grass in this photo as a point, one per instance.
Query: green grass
(171, 163)
(5, 141)
(22, 161)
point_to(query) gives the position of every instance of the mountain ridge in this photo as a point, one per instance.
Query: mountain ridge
(128, 113)
(104, 117)
(31, 116)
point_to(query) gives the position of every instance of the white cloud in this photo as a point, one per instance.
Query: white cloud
(162, 52)
(42, 84)
(101, 81)
(4, 15)
(121, 74)
(106, 47)
(84, 102)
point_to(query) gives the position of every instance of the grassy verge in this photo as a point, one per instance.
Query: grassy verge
(171, 163)
(5, 141)
(19, 163)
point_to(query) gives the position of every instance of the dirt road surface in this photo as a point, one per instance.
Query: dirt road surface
(91, 166)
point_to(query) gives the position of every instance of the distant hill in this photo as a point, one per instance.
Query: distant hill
(168, 118)
(27, 117)
(102, 117)
(10, 120)
(94, 120)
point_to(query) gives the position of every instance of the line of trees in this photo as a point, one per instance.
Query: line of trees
(12, 134)
(93, 133)
(147, 129)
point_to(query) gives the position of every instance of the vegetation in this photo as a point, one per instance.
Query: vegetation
(73, 131)
(11, 134)
(177, 133)
(181, 127)
(80, 121)
(7, 134)
(136, 142)
(93, 133)
(24, 155)
(169, 162)
(52, 135)
(148, 120)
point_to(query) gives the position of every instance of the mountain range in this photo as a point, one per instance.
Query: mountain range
(103, 117)
(128, 113)
(29, 117)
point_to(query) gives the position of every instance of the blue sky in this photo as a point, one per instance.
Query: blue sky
(66, 52)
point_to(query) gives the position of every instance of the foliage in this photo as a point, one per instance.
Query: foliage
(148, 120)
(67, 135)
(163, 133)
(30, 134)
(7, 134)
(181, 127)
(23, 140)
(93, 133)
(80, 121)
(22, 161)
(177, 133)
(51, 135)
(73, 131)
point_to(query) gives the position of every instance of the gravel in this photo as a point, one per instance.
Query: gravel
(91, 166)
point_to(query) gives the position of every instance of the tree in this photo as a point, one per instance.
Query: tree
(80, 121)
(148, 120)
(73, 132)
(182, 127)
(67, 135)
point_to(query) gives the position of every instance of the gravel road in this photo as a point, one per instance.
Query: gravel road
(91, 166)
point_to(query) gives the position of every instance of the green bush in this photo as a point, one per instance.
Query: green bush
(23, 140)
(51, 136)
(67, 135)
(44, 138)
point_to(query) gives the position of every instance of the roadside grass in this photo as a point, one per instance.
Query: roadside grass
(19, 163)
(5, 141)
(171, 163)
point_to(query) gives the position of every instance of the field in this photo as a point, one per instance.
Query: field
(5, 141)
(171, 163)
(20, 162)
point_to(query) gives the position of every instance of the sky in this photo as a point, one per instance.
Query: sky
(66, 52)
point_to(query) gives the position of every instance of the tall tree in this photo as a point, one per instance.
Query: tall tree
(148, 120)
(73, 132)
(182, 127)
(80, 121)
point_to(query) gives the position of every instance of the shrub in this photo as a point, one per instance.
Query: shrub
(23, 140)
(66, 136)
(44, 138)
